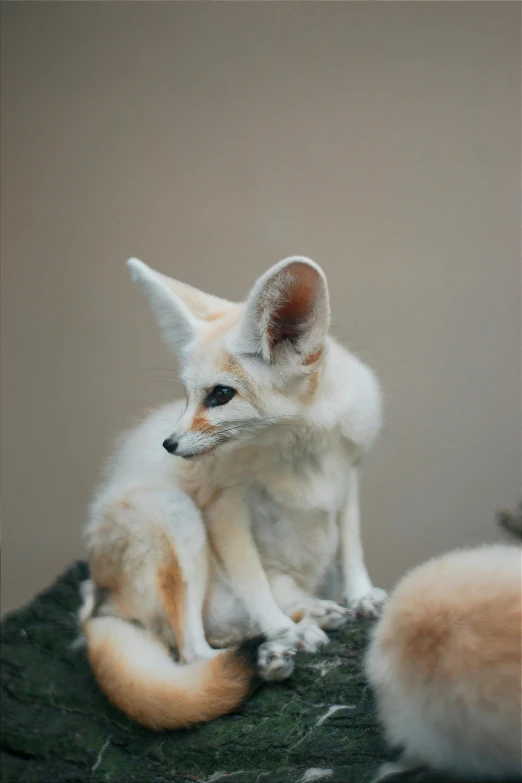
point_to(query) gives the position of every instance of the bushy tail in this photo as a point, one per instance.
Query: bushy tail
(138, 675)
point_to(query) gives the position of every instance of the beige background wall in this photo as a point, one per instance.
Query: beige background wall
(214, 139)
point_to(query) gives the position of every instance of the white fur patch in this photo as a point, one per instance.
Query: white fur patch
(316, 773)
(100, 754)
(332, 710)
(323, 667)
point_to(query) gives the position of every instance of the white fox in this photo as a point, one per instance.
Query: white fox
(222, 516)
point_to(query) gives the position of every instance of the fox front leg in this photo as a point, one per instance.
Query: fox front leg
(361, 596)
(229, 529)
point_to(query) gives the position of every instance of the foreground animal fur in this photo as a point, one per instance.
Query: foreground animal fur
(445, 663)
(221, 517)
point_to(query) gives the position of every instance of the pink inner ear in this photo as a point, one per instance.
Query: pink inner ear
(290, 315)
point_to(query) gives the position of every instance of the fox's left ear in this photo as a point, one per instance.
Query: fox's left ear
(287, 306)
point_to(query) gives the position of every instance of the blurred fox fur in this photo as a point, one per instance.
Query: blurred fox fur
(232, 527)
(445, 664)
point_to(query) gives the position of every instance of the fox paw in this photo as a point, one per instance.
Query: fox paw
(328, 615)
(370, 604)
(275, 658)
(203, 652)
(310, 637)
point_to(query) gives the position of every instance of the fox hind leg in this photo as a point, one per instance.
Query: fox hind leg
(183, 581)
(148, 549)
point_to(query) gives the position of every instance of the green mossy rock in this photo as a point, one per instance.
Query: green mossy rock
(57, 726)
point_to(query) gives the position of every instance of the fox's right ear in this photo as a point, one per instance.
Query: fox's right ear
(177, 323)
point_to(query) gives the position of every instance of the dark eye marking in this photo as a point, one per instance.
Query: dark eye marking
(219, 395)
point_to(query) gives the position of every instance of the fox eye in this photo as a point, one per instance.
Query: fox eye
(219, 395)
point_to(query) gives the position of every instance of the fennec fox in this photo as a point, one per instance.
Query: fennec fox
(445, 663)
(221, 516)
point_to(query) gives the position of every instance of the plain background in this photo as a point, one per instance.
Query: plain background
(212, 140)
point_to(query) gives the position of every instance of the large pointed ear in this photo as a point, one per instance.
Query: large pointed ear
(177, 323)
(288, 306)
(180, 309)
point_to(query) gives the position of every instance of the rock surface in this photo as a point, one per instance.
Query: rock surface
(57, 726)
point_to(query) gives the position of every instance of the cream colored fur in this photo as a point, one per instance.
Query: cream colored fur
(445, 663)
(240, 530)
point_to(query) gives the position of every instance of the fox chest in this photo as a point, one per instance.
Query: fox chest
(294, 522)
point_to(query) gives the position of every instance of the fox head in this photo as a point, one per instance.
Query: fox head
(244, 366)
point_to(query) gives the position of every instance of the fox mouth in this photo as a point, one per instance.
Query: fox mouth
(219, 438)
(201, 452)
(197, 454)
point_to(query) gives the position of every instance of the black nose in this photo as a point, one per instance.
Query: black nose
(171, 445)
